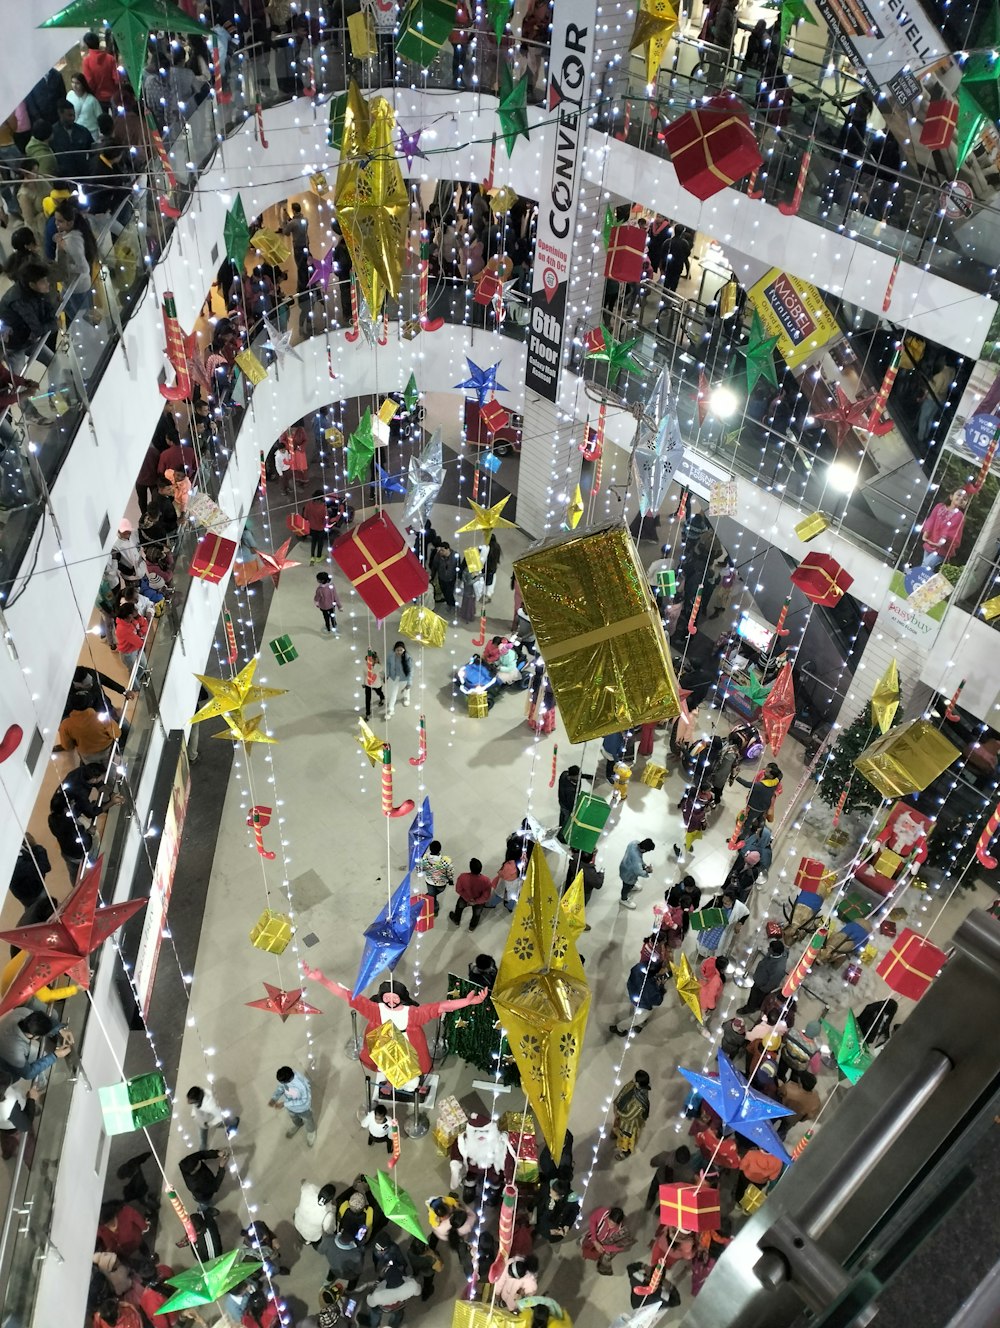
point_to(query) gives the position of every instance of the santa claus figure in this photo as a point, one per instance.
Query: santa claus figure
(477, 1157)
(393, 1004)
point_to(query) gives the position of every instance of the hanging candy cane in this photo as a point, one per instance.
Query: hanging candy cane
(182, 1215)
(802, 1145)
(230, 636)
(427, 324)
(157, 140)
(841, 803)
(329, 361)
(887, 297)
(355, 331)
(181, 389)
(790, 209)
(258, 111)
(693, 620)
(480, 640)
(383, 335)
(475, 485)
(555, 757)
(221, 96)
(488, 182)
(984, 469)
(652, 1286)
(780, 628)
(883, 392)
(752, 190)
(800, 972)
(262, 486)
(595, 488)
(992, 825)
(394, 1139)
(388, 809)
(421, 755)
(505, 1231)
(951, 714)
(259, 818)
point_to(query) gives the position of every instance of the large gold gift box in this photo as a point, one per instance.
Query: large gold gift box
(599, 632)
(906, 759)
(423, 625)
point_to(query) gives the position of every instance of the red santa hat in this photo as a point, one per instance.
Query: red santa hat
(478, 1120)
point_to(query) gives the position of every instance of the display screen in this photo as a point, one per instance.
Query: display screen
(756, 633)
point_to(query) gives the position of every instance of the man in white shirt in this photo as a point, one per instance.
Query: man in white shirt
(209, 1115)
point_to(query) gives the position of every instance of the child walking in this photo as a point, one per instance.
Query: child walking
(327, 601)
(378, 1126)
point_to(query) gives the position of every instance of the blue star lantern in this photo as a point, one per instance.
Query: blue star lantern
(388, 936)
(389, 483)
(420, 833)
(741, 1109)
(482, 381)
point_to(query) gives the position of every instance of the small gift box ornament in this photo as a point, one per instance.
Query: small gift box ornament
(869, 954)
(666, 581)
(626, 254)
(911, 965)
(253, 370)
(272, 932)
(393, 1054)
(888, 863)
(811, 526)
(283, 650)
(387, 410)
(490, 461)
(712, 147)
(473, 560)
(297, 524)
(384, 572)
(690, 1207)
(425, 918)
(451, 1121)
(752, 1198)
(811, 874)
(493, 416)
(594, 340)
(703, 919)
(653, 775)
(423, 625)
(424, 26)
(722, 498)
(887, 927)
(488, 285)
(938, 129)
(590, 816)
(134, 1104)
(212, 558)
(928, 593)
(822, 580)
(479, 706)
(852, 973)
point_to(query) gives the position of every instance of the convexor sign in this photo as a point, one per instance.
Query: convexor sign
(572, 53)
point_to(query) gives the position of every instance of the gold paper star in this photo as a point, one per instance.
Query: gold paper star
(575, 509)
(244, 728)
(487, 518)
(233, 693)
(688, 987)
(885, 698)
(571, 908)
(370, 744)
(654, 25)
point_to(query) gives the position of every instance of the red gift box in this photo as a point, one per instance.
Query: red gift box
(212, 558)
(852, 973)
(626, 256)
(690, 1208)
(298, 525)
(822, 580)
(911, 965)
(712, 147)
(384, 572)
(938, 130)
(594, 340)
(487, 287)
(810, 874)
(887, 927)
(425, 918)
(494, 416)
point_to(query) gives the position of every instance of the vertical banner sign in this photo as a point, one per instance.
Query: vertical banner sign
(887, 41)
(571, 57)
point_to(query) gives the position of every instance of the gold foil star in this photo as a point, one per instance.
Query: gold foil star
(487, 518)
(574, 511)
(571, 908)
(885, 698)
(233, 693)
(688, 987)
(654, 26)
(244, 728)
(370, 744)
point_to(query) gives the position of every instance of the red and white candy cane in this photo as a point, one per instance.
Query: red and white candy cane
(394, 1140)
(488, 182)
(841, 802)
(262, 486)
(790, 209)
(555, 757)
(258, 111)
(230, 636)
(752, 190)
(598, 473)
(355, 330)
(160, 148)
(883, 392)
(182, 1215)
(480, 640)
(984, 469)
(780, 628)
(221, 96)
(475, 484)
(329, 361)
(693, 620)
(800, 972)
(427, 324)
(951, 714)
(181, 389)
(407, 805)
(505, 1231)
(992, 825)
(421, 755)
(259, 818)
(887, 297)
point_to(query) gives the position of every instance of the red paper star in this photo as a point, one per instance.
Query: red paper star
(778, 710)
(63, 943)
(283, 1003)
(845, 416)
(264, 564)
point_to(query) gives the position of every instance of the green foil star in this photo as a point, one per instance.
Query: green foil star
(498, 13)
(411, 394)
(511, 108)
(396, 1204)
(753, 689)
(791, 12)
(131, 23)
(236, 233)
(202, 1285)
(759, 352)
(852, 1057)
(361, 448)
(616, 354)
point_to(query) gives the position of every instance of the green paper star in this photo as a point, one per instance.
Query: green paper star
(130, 21)
(411, 394)
(236, 233)
(759, 352)
(609, 225)
(395, 1204)
(981, 73)
(853, 1058)
(361, 448)
(753, 689)
(616, 354)
(791, 12)
(202, 1285)
(498, 12)
(511, 108)
(968, 128)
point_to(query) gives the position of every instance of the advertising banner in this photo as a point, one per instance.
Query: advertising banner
(793, 311)
(885, 40)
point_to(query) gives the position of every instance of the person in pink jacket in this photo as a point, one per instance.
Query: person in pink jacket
(327, 601)
(942, 531)
(712, 977)
(516, 1281)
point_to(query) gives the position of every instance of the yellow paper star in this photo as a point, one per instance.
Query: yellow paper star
(574, 511)
(233, 693)
(571, 908)
(502, 199)
(272, 247)
(885, 698)
(688, 988)
(244, 728)
(487, 518)
(370, 744)
(654, 26)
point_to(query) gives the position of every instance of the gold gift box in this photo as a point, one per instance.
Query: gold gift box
(387, 410)
(253, 370)
(753, 1197)
(517, 1122)
(423, 626)
(906, 759)
(473, 560)
(869, 954)
(888, 863)
(272, 932)
(811, 526)
(991, 608)
(479, 706)
(653, 775)
(361, 30)
(599, 632)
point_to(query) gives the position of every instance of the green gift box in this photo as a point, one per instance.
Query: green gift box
(424, 26)
(706, 918)
(338, 116)
(853, 909)
(666, 582)
(284, 651)
(135, 1103)
(590, 816)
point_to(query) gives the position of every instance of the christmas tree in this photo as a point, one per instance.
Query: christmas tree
(475, 1034)
(837, 772)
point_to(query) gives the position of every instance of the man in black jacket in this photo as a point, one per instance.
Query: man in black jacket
(767, 976)
(72, 144)
(201, 1180)
(27, 310)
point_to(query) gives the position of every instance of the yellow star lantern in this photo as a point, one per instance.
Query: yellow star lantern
(233, 693)
(271, 246)
(885, 698)
(542, 998)
(243, 728)
(654, 26)
(370, 744)
(487, 518)
(502, 199)
(688, 988)
(574, 510)
(571, 908)
(370, 197)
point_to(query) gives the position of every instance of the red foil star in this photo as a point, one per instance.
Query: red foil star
(845, 416)
(264, 564)
(283, 1003)
(778, 711)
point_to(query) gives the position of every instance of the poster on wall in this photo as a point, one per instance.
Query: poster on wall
(886, 42)
(572, 52)
(793, 311)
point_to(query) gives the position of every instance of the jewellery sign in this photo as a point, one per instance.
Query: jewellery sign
(570, 63)
(793, 311)
(887, 41)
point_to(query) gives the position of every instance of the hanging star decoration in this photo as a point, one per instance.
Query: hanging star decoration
(659, 449)
(322, 273)
(481, 381)
(487, 518)
(740, 1108)
(572, 908)
(409, 147)
(498, 15)
(395, 1203)
(424, 477)
(979, 90)
(283, 1003)
(79, 925)
(236, 233)
(271, 246)
(420, 834)
(411, 394)
(371, 199)
(574, 510)
(791, 13)
(388, 935)
(131, 23)
(885, 698)
(759, 353)
(361, 447)
(778, 710)
(617, 355)
(244, 728)
(502, 198)
(512, 107)
(265, 564)
(654, 24)
(688, 986)
(846, 415)
(370, 744)
(504, 296)
(386, 482)
(754, 689)
(231, 694)
(208, 1281)
(366, 322)
(850, 1053)
(279, 343)
(542, 998)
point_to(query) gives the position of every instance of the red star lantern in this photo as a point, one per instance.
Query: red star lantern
(283, 1003)
(62, 944)
(778, 710)
(845, 416)
(264, 564)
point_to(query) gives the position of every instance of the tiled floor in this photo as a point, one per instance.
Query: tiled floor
(340, 858)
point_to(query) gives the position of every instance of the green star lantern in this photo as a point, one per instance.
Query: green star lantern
(616, 354)
(395, 1203)
(979, 90)
(759, 352)
(411, 394)
(209, 1281)
(852, 1056)
(511, 108)
(131, 22)
(791, 12)
(236, 233)
(755, 691)
(498, 12)
(361, 448)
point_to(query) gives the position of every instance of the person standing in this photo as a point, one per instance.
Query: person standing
(379, 1127)
(294, 1093)
(327, 601)
(201, 1180)
(570, 784)
(472, 888)
(437, 871)
(631, 867)
(398, 674)
(208, 1115)
(631, 1108)
(444, 572)
(941, 533)
(767, 976)
(100, 69)
(72, 145)
(316, 1213)
(131, 630)
(317, 516)
(374, 678)
(607, 1235)
(646, 983)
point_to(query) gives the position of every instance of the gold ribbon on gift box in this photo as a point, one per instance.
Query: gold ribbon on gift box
(378, 569)
(702, 142)
(832, 588)
(147, 1102)
(597, 637)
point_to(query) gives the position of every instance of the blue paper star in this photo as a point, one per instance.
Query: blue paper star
(390, 483)
(740, 1108)
(388, 936)
(409, 146)
(482, 381)
(420, 833)
(322, 271)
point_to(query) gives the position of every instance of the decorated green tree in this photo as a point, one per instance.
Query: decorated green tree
(475, 1034)
(837, 772)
